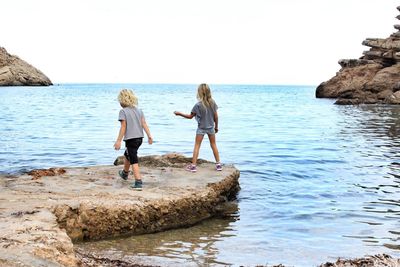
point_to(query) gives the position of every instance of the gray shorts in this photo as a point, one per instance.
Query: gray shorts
(201, 131)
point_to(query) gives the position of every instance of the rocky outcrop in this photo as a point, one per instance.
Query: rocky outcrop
(16, 72)
(42, 212)
(373, 78)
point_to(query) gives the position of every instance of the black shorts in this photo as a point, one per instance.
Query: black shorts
(132, 146)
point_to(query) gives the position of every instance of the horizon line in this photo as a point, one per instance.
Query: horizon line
(180, 83)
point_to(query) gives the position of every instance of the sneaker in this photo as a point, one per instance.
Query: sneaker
(137, 185)
(123, 174)
(191, 168)
(218, 167)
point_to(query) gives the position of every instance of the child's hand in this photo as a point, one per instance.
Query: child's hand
(117, 145)
(176, 113)
(150, 140)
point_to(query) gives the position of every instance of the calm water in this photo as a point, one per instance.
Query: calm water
(318, 181)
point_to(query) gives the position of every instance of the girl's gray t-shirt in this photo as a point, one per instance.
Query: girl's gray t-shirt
(133, 117)
(205, 115)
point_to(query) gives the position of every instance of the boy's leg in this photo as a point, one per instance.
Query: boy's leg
(214, 148)
(197, 144)
(134, 145)
(127, 164)
(134, 161)
(137, 184)
(125, 171)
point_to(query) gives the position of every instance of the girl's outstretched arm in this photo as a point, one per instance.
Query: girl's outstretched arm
(187, 116)
(121, 134)
(147, 130)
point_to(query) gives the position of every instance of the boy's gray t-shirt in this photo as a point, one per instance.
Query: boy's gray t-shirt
(205, 115)
(133, 117)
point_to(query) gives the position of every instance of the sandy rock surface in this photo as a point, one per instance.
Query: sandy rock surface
(41, 215)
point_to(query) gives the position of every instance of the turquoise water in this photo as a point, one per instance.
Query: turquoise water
(319, 181)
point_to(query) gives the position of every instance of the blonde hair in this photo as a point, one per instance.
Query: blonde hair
(204, 95)
(127, 98)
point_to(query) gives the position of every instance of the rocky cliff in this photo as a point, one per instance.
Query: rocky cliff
(15, 71)
(373, 78)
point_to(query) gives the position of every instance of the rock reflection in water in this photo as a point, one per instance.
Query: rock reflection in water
(377, 134)
(193, 246)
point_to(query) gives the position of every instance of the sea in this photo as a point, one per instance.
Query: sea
(318, 181)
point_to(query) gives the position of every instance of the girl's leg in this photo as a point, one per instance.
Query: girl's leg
(214, 148)
(136, 171)
(197, 144)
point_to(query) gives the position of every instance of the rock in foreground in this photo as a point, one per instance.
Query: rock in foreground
(368, 261)
(373, 78)
(16, 72)
(381, 260)
(42, 213)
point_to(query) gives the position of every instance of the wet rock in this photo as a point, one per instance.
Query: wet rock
(167, 160)
(368, 261)
(93, 260)
(46, 172)
(393, 98)
(384, 94)
(22, 213)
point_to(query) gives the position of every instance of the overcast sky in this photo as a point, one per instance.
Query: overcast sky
(192, 41)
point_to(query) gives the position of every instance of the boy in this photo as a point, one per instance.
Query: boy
(132, 125)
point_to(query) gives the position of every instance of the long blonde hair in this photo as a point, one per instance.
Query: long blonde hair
(127, 98)
(204, 95)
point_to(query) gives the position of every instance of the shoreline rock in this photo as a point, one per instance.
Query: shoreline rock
(43, 213)
(367, 261)
(94, 260)
(17, 72)
(371, 79)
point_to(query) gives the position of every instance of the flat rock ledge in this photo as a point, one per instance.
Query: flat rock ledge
(371, 79)
(17, 72)
(44, 212)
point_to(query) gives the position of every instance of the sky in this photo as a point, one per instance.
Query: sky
(191, 41)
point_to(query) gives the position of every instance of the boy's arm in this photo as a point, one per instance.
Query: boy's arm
(187, 116)
(216, 121)
(121, 134)
(147, 130)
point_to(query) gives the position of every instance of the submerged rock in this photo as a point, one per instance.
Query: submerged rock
(381, 260)
(16, 72)
(373, 78)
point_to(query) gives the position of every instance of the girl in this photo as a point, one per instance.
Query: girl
(206, 115)
(132, 125)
